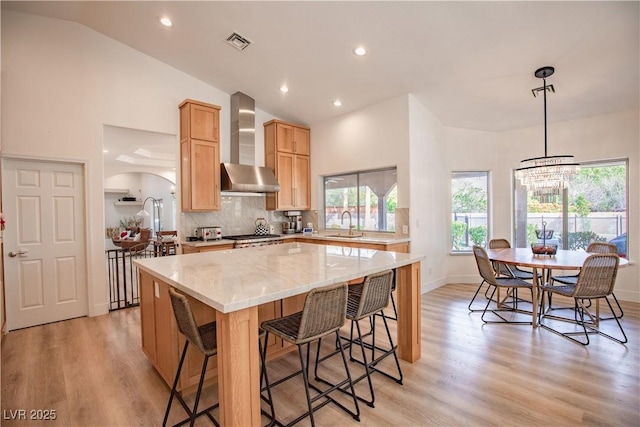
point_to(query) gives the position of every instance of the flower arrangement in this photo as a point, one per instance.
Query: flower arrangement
(1, 221)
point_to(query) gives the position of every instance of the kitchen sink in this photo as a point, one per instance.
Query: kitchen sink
(352, 236)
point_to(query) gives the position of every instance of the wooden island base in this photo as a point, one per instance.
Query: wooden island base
(236, 368)
(163, 343)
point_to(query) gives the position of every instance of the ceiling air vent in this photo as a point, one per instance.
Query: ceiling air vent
(237, 41)
(537, 90)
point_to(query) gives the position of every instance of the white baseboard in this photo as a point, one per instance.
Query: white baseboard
(98, 309)
(621, 294)
(435, 284)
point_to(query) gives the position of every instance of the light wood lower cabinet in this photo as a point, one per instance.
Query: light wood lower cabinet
(163, 343)
(161, 340)
(196, 249)
(394, 247)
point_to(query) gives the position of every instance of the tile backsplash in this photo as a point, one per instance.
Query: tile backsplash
(237, 215)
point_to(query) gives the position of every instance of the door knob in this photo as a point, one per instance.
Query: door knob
(23, 252)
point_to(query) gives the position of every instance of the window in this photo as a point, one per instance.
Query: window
(593, 208)
(469, 218)
(370, 197)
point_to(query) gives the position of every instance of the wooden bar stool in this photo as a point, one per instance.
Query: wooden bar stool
(323, 313)
(165, 243)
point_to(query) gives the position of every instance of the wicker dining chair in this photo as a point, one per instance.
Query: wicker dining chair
(324, 313)
(508, 270)
(368, 301)
(511, 284)
(501, 270)
(596, 248)
(596, 281)
(204, 339)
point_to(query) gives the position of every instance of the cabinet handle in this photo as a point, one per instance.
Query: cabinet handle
(295, 147)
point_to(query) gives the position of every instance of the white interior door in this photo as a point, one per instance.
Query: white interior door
(44, 241)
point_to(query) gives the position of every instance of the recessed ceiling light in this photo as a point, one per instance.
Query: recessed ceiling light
(105, 151)
(284, 89)
(166, 21)
(360, 51)
(337, 103)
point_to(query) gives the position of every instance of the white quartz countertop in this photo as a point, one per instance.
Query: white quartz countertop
(235, 279)
(320, 237)
(336, 237)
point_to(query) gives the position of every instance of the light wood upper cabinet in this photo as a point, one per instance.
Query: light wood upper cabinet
(287, 150)
(292, 139)
(199, 156)
(302, 141)
(204, 123)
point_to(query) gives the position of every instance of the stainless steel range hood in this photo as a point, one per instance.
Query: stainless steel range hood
(246, 178)
(241, 174)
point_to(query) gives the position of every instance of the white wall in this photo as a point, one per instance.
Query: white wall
(373, 137)
(62, 82)
(429, 187)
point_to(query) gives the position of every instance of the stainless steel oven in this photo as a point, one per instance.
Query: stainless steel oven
(253, 240)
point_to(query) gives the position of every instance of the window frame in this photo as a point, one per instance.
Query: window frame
(565, 198)
(357, 173)
(469, 249)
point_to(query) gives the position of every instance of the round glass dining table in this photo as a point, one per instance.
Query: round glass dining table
(523, 257)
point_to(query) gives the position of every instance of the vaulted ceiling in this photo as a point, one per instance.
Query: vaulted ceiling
(470, 63)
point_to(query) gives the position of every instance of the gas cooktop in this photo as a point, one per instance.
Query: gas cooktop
(252, 236)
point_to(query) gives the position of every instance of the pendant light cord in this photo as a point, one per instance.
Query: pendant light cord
(544, 79)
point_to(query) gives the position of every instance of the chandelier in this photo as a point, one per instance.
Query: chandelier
(546, 176)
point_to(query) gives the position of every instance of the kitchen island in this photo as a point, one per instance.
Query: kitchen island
(235, 283)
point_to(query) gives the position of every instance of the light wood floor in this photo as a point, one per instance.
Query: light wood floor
(92, 372)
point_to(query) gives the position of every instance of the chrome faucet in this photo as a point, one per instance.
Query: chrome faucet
(342, 221)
